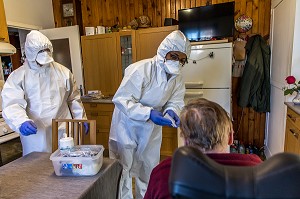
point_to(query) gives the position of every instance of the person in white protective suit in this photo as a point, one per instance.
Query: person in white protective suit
(38, 91)
(150, 89)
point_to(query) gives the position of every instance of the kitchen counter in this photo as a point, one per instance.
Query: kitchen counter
(32, 176)
(295, 108)
(104, 100)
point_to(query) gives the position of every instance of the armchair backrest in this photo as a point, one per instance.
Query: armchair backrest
(194, 175)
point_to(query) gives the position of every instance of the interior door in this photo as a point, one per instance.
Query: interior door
(67, 49)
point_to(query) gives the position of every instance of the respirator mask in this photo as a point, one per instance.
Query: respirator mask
(172, 67)
(44, 57)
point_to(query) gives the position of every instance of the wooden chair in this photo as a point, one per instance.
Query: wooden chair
(75, 129)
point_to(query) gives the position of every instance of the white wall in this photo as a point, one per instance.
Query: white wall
(295, 71)
(30, 14)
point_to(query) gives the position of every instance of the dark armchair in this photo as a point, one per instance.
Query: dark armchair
(195, 176)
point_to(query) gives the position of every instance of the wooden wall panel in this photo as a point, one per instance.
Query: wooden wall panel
(249, 125)
(106, 12)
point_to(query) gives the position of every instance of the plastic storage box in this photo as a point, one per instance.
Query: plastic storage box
(67, 163)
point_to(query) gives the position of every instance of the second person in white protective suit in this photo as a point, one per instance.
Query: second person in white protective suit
(150, 89)
(37, 92)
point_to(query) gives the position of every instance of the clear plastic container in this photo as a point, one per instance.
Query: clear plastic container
(82, 160)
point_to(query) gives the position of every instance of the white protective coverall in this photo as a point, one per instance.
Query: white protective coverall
(134, 139)
(39, 94)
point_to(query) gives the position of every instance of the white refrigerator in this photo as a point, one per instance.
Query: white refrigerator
(208, 74)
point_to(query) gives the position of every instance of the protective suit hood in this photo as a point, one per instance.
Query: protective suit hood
(35, 42)
(175, 41)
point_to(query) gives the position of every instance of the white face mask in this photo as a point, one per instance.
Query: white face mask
(44, 58)
(172, 67)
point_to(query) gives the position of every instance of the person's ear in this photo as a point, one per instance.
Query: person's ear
(230, 138)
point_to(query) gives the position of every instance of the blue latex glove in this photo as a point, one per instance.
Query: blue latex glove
(174, 116)
(28, 128)
(86, 127)
(158, 118)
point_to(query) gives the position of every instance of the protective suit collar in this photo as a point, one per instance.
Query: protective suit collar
(175, 41)
(34, 66)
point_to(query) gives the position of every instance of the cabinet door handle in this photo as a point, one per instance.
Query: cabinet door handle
(291, 117)
(294, 133)
(93, 105)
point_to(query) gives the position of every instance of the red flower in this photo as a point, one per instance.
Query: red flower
(290, 79)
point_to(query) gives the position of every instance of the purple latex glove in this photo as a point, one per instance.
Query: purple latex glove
(28, 128)
(158, 118)
(86, 127)
(174, 116)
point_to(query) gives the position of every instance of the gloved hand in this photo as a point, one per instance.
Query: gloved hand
(86, 127)
(174, 116)
(158, 118)
(28, 128)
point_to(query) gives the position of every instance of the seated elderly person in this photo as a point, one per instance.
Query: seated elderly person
(206, 126)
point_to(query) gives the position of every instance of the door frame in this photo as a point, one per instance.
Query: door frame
(71, 33)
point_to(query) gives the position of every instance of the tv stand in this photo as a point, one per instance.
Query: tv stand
(209, 42)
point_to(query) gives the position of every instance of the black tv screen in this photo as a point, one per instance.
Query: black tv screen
(207, 22)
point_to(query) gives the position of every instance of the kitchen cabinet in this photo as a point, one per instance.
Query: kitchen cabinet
(127, 46)
(101, 62)
(3, 24)
(292, 132)
(169, 141)
(148, 40)
(102, 113)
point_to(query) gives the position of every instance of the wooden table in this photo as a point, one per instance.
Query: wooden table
(32, 176)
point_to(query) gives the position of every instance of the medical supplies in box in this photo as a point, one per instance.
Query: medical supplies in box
(81, 160)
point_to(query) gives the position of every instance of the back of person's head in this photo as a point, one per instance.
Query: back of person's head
(36, 43)
(206, 125)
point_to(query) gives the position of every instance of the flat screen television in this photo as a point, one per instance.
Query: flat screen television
(207, 22)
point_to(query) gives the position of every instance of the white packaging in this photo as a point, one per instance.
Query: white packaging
(100, 30)
(89, 31)
(172, 120)
(66, 142)
(78, 166)
(94, 92)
